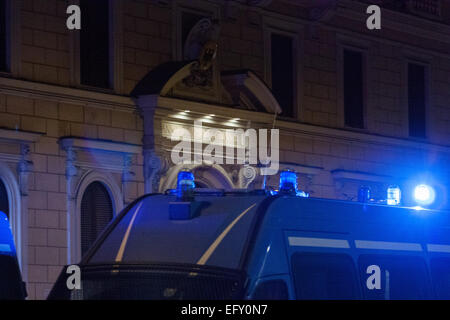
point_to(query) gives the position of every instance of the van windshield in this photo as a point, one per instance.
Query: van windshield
(216, 236)
(10, 279)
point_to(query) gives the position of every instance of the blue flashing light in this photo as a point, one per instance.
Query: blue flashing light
(185, 184)
(302, 194)
(394, 195)
(288, 182)
(364, 194)
(424, 195)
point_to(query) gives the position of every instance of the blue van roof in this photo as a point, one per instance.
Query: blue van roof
(220, 234)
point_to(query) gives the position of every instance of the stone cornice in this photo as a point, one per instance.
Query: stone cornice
(168, 106)
(101, 145)
(10, 135)
(50, 92)
(399, 21)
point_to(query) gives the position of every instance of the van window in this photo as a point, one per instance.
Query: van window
(401, 277)
(271, 290)
(324, 276)
(440, 273)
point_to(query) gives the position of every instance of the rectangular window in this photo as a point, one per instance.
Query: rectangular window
(3, 37)
(416, 100)
(323, 276)
(401, 277)
(353, 89)
(282, 70)
(95, 53)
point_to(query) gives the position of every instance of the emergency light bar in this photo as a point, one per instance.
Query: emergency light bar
(185, 185)
(185, 207)
(393, 195)
(288, 184)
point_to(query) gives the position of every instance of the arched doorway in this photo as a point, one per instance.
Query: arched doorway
(96, 212)
(211, 176)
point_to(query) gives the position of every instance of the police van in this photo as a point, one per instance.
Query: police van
(210, 244)
(11, 285)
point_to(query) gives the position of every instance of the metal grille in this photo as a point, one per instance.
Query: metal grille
(154, 283)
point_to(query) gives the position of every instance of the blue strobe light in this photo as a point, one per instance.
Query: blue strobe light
(394, 195)
(185, 184)
(424, 194)
(288, 182)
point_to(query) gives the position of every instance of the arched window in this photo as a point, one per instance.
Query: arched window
(96, 213)
(4, 202)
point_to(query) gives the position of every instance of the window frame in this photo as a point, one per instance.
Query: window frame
(13, 39)
(115, 22)
(294, 31)
(362, 48)
(390, 256)
(427, 69)
(345, 254)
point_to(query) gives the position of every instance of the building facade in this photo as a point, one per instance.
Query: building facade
(87, 116)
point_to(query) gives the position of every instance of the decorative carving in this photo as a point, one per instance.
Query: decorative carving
(127, 174)
(154, 167)
(24, 167)
(247, 175)
(71, 157)
(127, 177)
(71, 171)
(201, 44)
